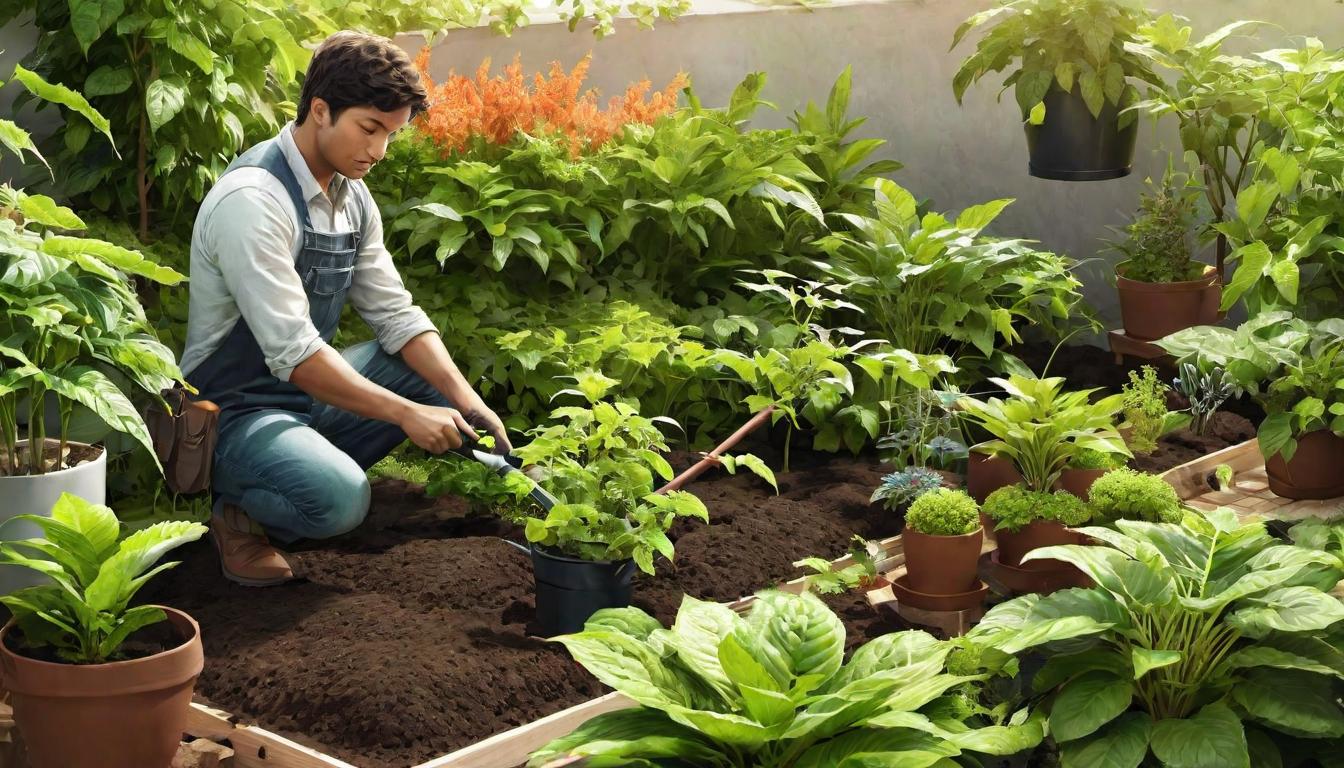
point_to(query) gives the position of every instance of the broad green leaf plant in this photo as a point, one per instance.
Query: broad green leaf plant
(932, 285)
(1059, 44)
(70, 322)
(1042, 429)
(773, 690)
(85, 615)
(1205, 643)
(1294, 368)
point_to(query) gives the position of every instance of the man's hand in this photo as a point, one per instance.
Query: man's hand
(434, 428)
(481, 417)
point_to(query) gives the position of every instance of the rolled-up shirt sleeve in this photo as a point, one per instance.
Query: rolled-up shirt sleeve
(377, 290)
(252, 236)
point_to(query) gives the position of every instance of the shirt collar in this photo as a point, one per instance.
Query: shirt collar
(307, 182)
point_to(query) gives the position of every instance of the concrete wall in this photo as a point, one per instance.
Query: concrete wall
(954, 156)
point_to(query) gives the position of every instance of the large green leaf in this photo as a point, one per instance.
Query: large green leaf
(627, 665)
(124, 572)
(1087, 703)
(18, 140)
(124, 259)
(629, 733)
(89, 19)
(92, 389)
(1298, 703)
(164, 98)
(96, 523)
(799, 640)
(45, 211)
(1213, 738)
(1122, 743)
(878, 749)
(1290, 609)
(72, 100)
(699, 628)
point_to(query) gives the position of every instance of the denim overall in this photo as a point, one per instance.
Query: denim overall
(294, 465)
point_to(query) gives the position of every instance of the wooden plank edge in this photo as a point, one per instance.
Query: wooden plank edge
(515, 746)
(255, 747)
(1191, 478)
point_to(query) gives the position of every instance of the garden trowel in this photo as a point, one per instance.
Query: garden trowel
(503, 465)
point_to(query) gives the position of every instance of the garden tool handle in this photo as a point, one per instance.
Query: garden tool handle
(499, 463)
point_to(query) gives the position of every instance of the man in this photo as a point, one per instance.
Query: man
(283, 240)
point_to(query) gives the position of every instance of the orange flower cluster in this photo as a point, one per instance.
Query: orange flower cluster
(498, 108)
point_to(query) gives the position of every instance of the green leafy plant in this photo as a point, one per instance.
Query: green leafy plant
(601, 462)
(486, 491)
(1130, 495)
(1092, 459)
(944, 512)
(931, 285)
(1145, 409)
(1158, 242)
(899, 490)
(924, 431)
(1014, 507)
(1064, 44)
(827, 579)
(191, 84)
(1204, 643)
(84, 616)
(1041, 428)
(1205, 391)
(772, 690)
(1223, 475)
(1291, 366)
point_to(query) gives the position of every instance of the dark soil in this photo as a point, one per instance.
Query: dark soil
(1225, 429)
(143, 643)
(408, 638)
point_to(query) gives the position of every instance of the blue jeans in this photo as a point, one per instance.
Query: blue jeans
(301, 476)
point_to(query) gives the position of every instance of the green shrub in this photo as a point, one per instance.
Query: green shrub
(1093, 459)
(1014, 507)
(1129, 495)
(944, 512)
(1145, 408)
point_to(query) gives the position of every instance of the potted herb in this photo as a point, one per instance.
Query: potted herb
(74, 333)
(1085, 468)
(1125, 494)
(86, 689)
(773, 690)
(1038, 431)
(1293, 369)
(1233, 663)
(942, 540)
(1162, 288)
(1025, 520)
(601, 463)
(1072, 78)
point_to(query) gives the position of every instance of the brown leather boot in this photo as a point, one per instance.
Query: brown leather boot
(245, 556)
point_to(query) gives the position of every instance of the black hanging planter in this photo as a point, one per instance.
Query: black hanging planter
(1072, 145)
(570, 590)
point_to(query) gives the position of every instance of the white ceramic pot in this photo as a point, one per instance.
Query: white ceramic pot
(36, 495)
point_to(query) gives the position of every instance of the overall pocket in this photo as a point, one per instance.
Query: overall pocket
(326, 288)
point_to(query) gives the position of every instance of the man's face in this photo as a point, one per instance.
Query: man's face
(358, 138)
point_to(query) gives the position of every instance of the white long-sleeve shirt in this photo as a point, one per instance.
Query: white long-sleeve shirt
(244, 246)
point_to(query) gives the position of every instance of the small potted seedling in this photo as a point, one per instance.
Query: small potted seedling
(942, 541)
(1125, 494)
(88, 685)
(1025, 520)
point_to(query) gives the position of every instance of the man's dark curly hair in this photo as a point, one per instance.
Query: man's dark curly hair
(352, 69)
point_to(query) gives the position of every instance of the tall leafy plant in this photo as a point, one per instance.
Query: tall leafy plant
(192, 84)
(773, 690)
(1204, 643)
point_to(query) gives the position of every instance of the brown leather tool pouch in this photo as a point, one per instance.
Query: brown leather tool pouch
(184, 439)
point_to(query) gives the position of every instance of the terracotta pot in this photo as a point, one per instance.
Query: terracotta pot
(1153, 310)
(941, 565)
(1078, 481)
(1316, 471)
(123, 714)
(1014, 545)
(986, 474)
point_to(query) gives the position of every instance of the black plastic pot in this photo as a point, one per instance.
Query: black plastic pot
(1072, 145)
(569, 591)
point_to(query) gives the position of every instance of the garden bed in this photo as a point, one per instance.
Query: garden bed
(409, 638)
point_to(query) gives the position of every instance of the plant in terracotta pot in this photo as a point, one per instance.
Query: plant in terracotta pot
(67, 653)
(1073, 78)
(1040, 429)
(1125, 494)
(1294, 369)
(1085, 468)
(1162, 288)
(1025, 519)
(942, 540)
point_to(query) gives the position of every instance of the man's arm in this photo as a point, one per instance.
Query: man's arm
(329, 378)
(427, 356)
